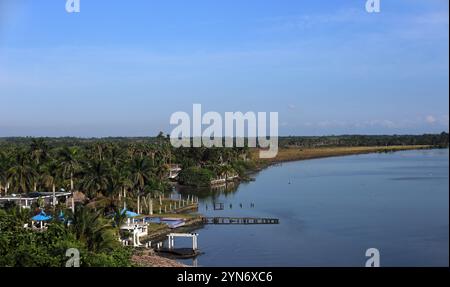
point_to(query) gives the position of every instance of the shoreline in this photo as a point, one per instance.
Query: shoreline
(149, 258)
(285, 155)
(291, 154)
(191, 224)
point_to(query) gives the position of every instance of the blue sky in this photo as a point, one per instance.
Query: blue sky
(121, 68)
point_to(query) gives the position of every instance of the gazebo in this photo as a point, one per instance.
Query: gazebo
(138, 230)
(129, 214)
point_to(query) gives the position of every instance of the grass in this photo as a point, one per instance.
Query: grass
(297, 153)
(155, 227)
(160, 230)
(165, 202)
(174, 215)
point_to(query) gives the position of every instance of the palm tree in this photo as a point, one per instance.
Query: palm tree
(161, 171)
(51, 176)
(116, 156)
(119, 218)
(140, 173)
(150, 152)
(227, 170)
(68, 162)
(99, 150)
(95, 177)
(131, 151)
(21, 174)
(114, 184)
(113, 191)
(4, 163)
(95, 231)
(39, 151)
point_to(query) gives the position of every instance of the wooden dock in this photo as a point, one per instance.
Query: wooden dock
(239, 220)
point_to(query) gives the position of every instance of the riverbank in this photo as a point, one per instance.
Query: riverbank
(297, 153)
(148, 258)
(158, 233)
(193, 221)
(335, 206)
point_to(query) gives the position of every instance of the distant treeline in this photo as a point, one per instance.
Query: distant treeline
(435, 140)
(76, 141)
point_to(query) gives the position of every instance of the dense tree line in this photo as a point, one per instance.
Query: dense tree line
(115, 166)
(109, 172)
(435, 140)
(104, 167)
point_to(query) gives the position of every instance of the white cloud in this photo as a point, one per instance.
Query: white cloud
(441, 121)
(430, 119)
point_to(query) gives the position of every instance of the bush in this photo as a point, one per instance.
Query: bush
(120, 257)
(195, 176)
(20, 247)
(241, 167)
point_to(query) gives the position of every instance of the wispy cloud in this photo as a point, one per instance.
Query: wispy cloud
(430, 119)
(386, 124)
(409, 25)
(308, 21)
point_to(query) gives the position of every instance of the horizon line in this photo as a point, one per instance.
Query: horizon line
(280, 136)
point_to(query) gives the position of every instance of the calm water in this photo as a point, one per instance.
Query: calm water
(332, 210)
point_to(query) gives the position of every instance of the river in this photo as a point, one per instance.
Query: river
(332, 210)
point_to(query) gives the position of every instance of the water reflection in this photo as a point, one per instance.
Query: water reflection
(210, 193)
(332, 210)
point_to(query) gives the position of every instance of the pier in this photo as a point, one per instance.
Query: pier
(239, 220)
(179, 253)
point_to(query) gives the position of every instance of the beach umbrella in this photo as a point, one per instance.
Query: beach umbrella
(41, 217)
(129, 214)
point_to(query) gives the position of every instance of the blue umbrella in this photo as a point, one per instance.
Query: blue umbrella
(41, 217)
(129, 213)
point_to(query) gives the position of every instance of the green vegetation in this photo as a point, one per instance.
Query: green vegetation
(196, 176)
(89, 232)
(108, 172)
(434, 140)
(112, 169)
(116, 171)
